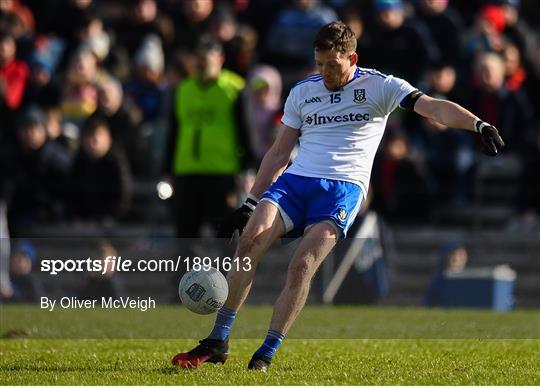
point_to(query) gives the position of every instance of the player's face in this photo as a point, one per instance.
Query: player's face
(336, 68)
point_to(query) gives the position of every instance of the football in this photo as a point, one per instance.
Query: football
(204, 291)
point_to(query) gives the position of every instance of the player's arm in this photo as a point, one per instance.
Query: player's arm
(445, 112)
(275, 160)
(272, 165)
(455, 116)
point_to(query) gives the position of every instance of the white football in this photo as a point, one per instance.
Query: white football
(203, 292)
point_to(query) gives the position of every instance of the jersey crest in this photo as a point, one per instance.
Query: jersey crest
(342, 214)
(359, 96)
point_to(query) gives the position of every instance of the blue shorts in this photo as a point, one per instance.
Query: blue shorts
(304, 201)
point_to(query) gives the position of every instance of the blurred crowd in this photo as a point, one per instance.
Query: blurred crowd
(24, 284)
(97, 96)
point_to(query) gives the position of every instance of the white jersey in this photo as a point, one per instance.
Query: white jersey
(340, 131)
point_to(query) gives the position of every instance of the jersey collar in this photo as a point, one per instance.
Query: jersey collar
(355, 76)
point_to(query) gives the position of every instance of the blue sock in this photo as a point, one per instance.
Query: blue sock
(222, 327)
(271, 344)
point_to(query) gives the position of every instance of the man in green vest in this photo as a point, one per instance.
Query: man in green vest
(208, 143)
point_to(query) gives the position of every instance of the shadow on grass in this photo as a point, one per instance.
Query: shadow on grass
(17, 333)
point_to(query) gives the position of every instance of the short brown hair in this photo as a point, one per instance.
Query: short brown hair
(337, 36)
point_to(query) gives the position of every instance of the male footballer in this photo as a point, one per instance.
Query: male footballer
(338, 117)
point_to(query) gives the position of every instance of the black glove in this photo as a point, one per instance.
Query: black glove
(238, 219)
(493, 143)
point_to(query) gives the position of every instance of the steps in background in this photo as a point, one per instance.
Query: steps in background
(417, 252)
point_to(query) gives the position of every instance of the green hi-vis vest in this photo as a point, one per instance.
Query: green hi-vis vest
(207, 143)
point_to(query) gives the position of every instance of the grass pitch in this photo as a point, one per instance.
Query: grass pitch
(380, 346)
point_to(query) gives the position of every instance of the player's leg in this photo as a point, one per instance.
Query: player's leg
(263, 228)
(315, 246)
(331, 208)
(279, 212)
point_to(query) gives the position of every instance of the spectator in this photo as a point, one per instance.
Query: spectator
(519, 32)
(209, 142)
(519, 77)
(182, 66)
(486, 33)
(79, 94)
(400, 46)
(26, 285)
(104, 284)
(352, 17)
(239, 41)
(452, 257)
(123, 120)
(146, 88)
(58, 132)
(192, 22)
(223, 25)
(150, 92)
(89, 27)
(515, 74)
(449, 154)
(15, 24)
(400, 183)
(263, 104)
(13, 81)
(38, 185)
(43, 89)
(300, 20)
(24, 13)
(70, 16)
(143, 19)
(260, 15)
(510, 111)
(445, 26)
(242, 51)
(93, 37)
(100, 179)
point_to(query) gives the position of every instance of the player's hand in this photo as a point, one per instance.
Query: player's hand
(238, 219)
(493, 143)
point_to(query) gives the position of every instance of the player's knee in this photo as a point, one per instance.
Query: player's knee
(252, 237)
